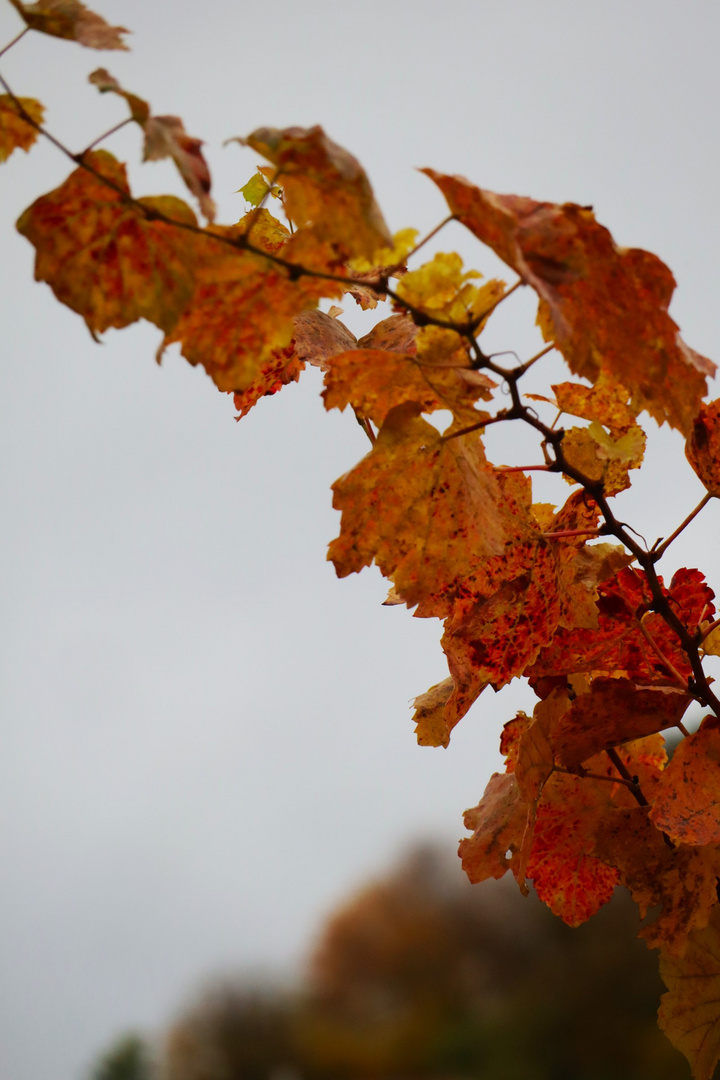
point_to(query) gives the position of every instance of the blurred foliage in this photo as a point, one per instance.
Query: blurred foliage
(422, 975)
(127, 1059)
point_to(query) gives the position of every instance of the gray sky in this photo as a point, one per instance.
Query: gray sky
(206, 738)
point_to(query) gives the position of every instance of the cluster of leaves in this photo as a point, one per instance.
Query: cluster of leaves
(614, 654)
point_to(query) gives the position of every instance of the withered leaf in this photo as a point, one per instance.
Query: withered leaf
(680, 881)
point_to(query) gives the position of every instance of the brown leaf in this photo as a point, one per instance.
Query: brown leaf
(604, 306)
(318, 337)
(71, 20)
(16, 133)
(107, 83)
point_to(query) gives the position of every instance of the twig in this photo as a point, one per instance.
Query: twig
(632, 784)
(433, 232)
(111, 131)
(562, 533)
(658, 552)
(14, 41)
(583, 774)
(533, 360)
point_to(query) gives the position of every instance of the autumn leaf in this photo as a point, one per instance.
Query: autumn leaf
(690, 1010)
(316, 337)
(16, 133)
(498, 825)
(71, 20)
(242, 313)
(415, 484)
(564, 865)
(687, 806)
(496, 639)
(596, 298)
(325, 190)
(103, 256)
(679, 882)
(618, 644)
(442, 288)
(601, 458)
(431, 722)
(703, 446)
(374, 381)
(612, 712)
(606, 402)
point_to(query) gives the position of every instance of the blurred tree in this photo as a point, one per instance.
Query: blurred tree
(421, 974)
(231, 1033)
(127, 1059)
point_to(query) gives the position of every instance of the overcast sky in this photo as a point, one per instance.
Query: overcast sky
(206, 737)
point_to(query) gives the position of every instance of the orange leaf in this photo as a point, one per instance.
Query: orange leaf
(604, 306)
(103, 257)
(16, 133)
(71, 20)
(606, 402)
(241, 314)
(703, 446)
(567, 876)
(687, 807)
(375, 381)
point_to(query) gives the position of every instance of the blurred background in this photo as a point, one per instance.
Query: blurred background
(421, 975)
(206, 738)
